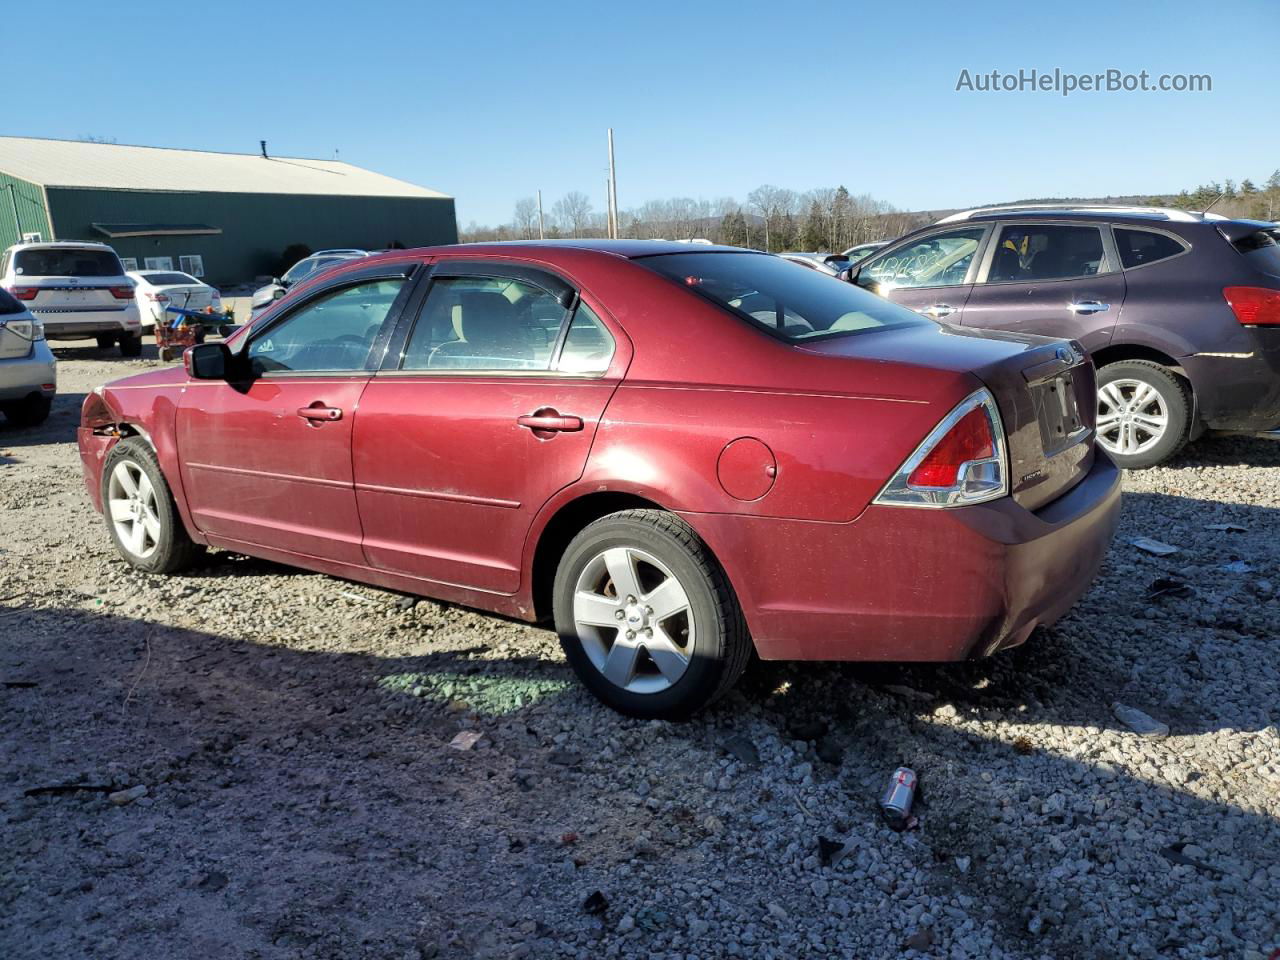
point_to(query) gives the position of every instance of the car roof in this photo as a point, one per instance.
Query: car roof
(62, 244)
(626, 249)
(1083, 211)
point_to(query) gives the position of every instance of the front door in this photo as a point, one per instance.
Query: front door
(488, 410)
(932, 274)
(267, 461)
(1055, 279)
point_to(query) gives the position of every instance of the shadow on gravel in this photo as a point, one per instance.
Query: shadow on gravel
(59, 428)
(305, 802)
(1226, 450)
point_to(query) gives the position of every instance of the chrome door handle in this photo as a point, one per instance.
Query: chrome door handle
(318, 412)
(1087, 307)
(939, 310)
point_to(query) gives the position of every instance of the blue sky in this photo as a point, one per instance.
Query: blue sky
(491, 101)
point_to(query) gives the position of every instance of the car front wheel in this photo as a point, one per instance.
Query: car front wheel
(647, 617)
(141, 516)
(1144, 413)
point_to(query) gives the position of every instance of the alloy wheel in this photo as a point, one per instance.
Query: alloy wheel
(634, 620)
(1132, 416)
(131, 504)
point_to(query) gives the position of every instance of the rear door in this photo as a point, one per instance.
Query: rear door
(267, 461)
(930, 274)
(488, 408)
(1054, 279)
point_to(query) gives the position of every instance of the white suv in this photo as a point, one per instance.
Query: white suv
(77, 290)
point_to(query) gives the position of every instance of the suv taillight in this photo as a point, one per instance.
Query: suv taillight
(1254, 306)
(122, 293)
(962, 461)
(25, 293)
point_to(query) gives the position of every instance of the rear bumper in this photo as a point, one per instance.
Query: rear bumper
(35, 373)
(77, 324)
(1235, 392)
(902, 584)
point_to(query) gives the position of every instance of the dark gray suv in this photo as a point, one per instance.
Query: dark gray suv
(1180, 311)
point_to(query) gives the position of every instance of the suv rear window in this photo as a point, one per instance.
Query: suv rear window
(9, 303)
(773, 295)
(1262, 250)
(67, 262)
(1145, 246)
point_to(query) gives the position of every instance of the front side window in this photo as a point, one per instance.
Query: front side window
(331, 334)
(1046, 252)
(67, 262)
(773, 294)
(484, 323)
(940, 259)
(1138, 247)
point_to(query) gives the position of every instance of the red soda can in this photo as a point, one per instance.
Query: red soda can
(895, 805)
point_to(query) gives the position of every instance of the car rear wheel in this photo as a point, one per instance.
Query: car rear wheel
(30, 411)
(105, 340)
(131, 345)
(647, 617)
(1144, 413)
(141, 516)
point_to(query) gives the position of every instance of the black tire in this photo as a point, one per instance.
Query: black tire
(721, 645)
(1175, 397)
(131, 345)
(105, 340)
(174, 549)
(30, 411)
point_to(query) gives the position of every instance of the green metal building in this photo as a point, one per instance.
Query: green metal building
(225, 216)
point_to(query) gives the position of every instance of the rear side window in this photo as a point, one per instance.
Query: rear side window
(484, 323)
(9, 303)
(1138, 247)
(773, 295)
(1027, 253)
(1262, 250)
(63, 262)
(588, 346)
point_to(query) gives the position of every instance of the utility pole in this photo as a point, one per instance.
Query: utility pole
(13, 199)
(608, 212)
(541, 234)
(613, 190)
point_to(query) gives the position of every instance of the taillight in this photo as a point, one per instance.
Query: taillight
(25, 293)
(1254, 306)
(961, 462)
(122, 293)
(158, 297)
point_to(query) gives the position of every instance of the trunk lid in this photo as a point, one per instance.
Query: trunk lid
(188, 297)
(1045, 390)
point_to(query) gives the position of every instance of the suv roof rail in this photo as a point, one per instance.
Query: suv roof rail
(1163, 213)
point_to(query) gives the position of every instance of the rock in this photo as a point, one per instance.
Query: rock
(921, 940)
(595, 903)
(212, 881)
(742, 750)
(124, 797)
(775, 911)
(1035, 925)
(465, 739)
(1139, 722)
(962, 864)
(698, 928)
(626, 924)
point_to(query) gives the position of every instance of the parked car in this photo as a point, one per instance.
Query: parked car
(674, 453)
(156, 290)
(77, 290)
(843, 261)
(814, 261)
(28, 371)
(1179, 311)
(266, 295)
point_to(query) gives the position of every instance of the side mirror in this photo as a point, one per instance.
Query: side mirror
(207, 361)
(277, 294)
(847, 274)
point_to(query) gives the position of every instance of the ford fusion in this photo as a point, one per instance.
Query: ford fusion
(676, 456)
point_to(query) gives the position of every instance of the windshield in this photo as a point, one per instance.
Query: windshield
(775, 296)
(304, 268)
(63, 262)
(168, 279)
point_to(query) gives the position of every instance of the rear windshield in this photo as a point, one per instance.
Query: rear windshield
(168, 279)
(9, 303)
(1262, 249)
(772, 294)
(67, 263)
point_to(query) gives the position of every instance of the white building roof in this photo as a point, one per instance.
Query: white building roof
(111, 166)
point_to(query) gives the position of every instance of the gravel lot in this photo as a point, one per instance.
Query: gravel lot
(292, 735)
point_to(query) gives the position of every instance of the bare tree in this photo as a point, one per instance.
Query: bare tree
(525, 222)
(573, 212)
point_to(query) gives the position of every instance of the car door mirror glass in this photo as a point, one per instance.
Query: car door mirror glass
(207, 361)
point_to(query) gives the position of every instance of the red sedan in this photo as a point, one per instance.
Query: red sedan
(678, 454)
